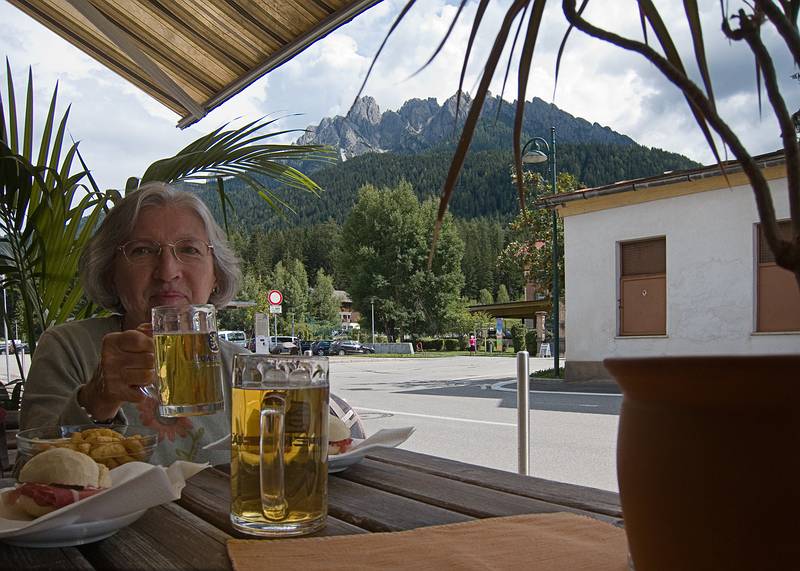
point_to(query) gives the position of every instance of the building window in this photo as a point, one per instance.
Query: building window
(777, 294)
(643, 287)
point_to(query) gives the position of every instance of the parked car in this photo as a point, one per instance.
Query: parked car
(348, 347)
(305, 345)
(284, 344)
(237, 337)
(321, 347)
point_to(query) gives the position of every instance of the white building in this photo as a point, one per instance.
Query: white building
(675, 265)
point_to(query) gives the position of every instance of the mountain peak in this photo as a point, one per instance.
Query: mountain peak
(421, 124)
(365, 111)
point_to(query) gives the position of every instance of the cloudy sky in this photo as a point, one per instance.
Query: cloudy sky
(122, 130)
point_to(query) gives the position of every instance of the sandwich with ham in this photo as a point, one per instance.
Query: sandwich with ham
(56, 478)
(339, 440)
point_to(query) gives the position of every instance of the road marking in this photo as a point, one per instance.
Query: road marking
(397, 413)
(500, 386)
(589, 405)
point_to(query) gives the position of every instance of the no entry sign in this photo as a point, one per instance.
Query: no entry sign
(274, 297)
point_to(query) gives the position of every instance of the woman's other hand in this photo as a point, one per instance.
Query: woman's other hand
(127, 366)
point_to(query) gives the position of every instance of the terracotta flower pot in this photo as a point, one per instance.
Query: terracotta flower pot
(708, 460)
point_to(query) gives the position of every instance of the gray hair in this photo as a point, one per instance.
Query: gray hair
(96, 264)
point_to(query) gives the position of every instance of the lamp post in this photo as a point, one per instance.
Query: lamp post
(5, 331)
(535, 156)
(372, 307)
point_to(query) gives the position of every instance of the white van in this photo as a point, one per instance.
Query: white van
(237, 337)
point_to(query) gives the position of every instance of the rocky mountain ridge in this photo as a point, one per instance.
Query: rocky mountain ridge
(422, 124)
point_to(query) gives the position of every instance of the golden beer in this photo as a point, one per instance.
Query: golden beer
(189, 373)
(286, 495)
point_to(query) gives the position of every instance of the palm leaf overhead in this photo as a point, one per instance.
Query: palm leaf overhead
(743, 25)
(241, 154)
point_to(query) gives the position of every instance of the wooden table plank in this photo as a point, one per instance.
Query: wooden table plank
(578, 497)
(47, 559)
(130, 550)
(469, 499)
(165, 537)
(376, 510)
(207, 495)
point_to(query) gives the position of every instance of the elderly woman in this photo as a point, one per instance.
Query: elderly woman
(94, 370)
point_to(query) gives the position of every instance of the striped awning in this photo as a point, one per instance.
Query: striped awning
(192, 55)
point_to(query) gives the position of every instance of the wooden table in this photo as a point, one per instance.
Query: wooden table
(390, 490)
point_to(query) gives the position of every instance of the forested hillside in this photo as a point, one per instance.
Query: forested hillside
(484, 189)
(415, 144)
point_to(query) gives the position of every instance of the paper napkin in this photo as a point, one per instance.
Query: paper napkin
(135, 486)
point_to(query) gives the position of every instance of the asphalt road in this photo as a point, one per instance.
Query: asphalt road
(465, 408)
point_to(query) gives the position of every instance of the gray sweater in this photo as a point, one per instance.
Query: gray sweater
(67, 356)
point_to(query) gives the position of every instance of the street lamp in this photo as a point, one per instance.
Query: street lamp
(540, 153)
(372, 306)
(5, 329)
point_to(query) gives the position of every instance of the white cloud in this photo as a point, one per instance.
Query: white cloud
(123, 130)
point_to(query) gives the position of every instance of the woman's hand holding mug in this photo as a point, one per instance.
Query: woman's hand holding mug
(125, 373)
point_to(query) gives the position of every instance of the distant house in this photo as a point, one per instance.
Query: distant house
(675, 265)
(348, 316)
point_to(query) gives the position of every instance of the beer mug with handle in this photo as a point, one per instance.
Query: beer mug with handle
(188, 363)
(279, 444)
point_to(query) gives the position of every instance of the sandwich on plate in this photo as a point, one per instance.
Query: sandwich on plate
(339, 440)
(56, 478)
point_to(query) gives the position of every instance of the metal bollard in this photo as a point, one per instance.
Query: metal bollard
(523, 413)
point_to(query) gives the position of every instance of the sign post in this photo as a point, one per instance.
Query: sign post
(275, 299)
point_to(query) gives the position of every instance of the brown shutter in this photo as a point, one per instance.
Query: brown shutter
(777, 295)
(644, 257)
(643, 287)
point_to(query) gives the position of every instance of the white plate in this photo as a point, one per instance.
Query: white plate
(339, 462)
(386, 438)
(73, 534)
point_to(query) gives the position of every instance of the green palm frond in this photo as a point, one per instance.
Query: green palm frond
(46, 214)
(242, 154)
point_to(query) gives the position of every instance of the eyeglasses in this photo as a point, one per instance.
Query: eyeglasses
(143, 252)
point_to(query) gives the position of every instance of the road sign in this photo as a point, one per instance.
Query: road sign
(276, 309)
(275, 297)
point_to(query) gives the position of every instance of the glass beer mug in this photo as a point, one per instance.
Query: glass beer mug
(188, 362)
(279, 444)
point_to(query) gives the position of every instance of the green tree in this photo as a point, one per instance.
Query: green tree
(322, 304)
(384, 253)
(485, 297)
(502, 294)
(530, 250)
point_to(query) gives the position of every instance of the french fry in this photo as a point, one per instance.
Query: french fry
(104, 445)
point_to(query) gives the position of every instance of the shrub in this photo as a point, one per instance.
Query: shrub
(433, 344)
(518, 337)
(452, 344)
(531, 344)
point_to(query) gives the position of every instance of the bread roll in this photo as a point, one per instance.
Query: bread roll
(64, 467)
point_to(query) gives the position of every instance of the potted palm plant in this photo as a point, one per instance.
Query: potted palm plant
(706, 453)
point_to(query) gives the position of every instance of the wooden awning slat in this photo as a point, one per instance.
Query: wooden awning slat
(208, 51)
